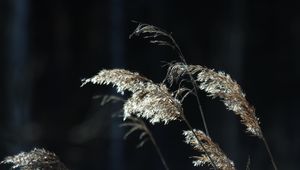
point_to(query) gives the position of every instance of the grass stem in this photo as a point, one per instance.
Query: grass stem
(269, 152)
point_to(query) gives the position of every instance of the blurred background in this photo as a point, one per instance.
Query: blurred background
(47, 47)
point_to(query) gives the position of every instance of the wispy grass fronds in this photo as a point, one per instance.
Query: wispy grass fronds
(221, 85)
(149, 100)
(137, 124)
(211, 149)
(34, 160)
(152, 33)
(105, 99)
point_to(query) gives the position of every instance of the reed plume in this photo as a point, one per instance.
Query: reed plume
(213, 150)
(220, 84)
(149, 100)
(35, 159)
(122, 79)
(157, 104)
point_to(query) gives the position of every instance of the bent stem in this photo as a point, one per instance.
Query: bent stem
(199, 141)
(269, 152)
(146, 28)
(156, 146)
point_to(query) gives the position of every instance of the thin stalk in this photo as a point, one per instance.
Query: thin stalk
(156, 146)
(199, 141)
(177, 48)
(269, 152)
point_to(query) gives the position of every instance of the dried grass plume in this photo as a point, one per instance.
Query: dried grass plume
(34, 160)
(149, 100)
(213, 150)
(219, 84)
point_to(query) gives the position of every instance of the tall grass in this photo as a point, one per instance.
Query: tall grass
(156, 103)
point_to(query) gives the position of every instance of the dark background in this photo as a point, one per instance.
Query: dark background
(47, 47)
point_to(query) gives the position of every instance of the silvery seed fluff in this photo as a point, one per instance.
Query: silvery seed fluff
(151, 101)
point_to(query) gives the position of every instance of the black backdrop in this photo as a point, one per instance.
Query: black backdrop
(47, 47)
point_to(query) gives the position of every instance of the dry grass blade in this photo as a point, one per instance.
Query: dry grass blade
(35, 159)
(219, 84)
(211, 149)
(151, 101)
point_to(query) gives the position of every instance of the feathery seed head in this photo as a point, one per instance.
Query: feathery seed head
(122, 79)
(149, 100)
(213, 150)
(219, 84)
(154, 103)
(35, 159)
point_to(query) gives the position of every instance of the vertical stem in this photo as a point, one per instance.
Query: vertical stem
(177, 48)
(199, 106)
(269, 152)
